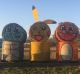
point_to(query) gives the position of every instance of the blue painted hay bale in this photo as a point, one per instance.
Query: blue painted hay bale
(14, 32)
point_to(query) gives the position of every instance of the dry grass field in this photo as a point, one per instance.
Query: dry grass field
(40, 70)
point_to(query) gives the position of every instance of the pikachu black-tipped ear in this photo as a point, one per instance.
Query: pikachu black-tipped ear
(35, 13)
(49, 21)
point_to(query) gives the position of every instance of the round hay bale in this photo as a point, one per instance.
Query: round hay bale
(14, 32)
(12, 51)
(66, 31)
(39, 31)
(14, 37)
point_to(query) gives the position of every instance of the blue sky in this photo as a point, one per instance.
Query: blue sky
(20, 11)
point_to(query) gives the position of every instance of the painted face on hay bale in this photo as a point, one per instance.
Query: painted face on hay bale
(14, 32)
(67, 31)
(39, 31)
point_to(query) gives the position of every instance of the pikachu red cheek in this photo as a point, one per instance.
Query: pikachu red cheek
(48, 33)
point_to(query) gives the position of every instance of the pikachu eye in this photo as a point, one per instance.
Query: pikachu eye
(43, 28)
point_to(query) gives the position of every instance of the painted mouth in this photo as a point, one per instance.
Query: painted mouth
(38, 37)
(67, 36)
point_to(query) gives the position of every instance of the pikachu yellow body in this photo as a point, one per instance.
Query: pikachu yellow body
(40, 47)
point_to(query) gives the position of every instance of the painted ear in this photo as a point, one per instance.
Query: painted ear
(49, 21)
(35, 13)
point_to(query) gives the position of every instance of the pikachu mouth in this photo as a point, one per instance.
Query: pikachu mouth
(38, 37)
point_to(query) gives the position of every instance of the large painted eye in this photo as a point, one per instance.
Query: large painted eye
(16, 29)
(43, 28)
(62, 28)
(70, 29)
(8, 29)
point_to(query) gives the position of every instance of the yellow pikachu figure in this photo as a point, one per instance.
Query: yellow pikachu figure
(40, 46)
(39, 33)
